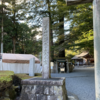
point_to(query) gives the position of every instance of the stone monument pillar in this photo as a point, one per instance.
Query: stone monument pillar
(96, 22)
(44, 88)
(46, 48)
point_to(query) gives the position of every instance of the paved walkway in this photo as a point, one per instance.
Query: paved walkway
(80, 82)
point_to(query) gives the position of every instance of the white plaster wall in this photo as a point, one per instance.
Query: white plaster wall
(38, 68)
(20, 68)
(75, 62)
(16, 67)
(0, 64)
(84, 61)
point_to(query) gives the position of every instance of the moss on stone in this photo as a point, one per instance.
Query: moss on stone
(5, 98)
(26, 76)
(6, 76)
(6, 79)
(12, 92)
(23, 76)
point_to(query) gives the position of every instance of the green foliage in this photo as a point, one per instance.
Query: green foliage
(79, 17)
(18, 38)
(80, 37)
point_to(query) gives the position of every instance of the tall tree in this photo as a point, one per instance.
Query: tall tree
(15, 7)
(3, 9)
(81, 28)
(53, 10)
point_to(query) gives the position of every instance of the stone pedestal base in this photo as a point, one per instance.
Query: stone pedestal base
(44, 89)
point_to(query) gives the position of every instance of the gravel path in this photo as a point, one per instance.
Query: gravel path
(80, 82)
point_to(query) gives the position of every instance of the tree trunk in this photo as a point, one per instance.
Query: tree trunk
(2, 31)
(14, 37)
(62, 50)
(14, 43)
(61, 29)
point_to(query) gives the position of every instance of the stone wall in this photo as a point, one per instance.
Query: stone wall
(43, 92)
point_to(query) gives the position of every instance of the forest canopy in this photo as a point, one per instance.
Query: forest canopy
(22, 23)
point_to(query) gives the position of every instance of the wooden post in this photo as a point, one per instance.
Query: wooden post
(67, 66)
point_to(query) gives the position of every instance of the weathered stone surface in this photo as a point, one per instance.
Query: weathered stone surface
(23, 87)
(58, 90)
(39, 89)
(56, 98)
(96, 22)
(51, 90)
(24, 96)
(32, 97)
(46, 48)
(45, 90)
(28, 89)
(61, 98)
(33, 90)
(42, 81)
(51, 97)
(41, 97)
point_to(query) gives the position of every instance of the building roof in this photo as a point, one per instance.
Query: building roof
(83, 54)
(80, 56)
(18, 58)
(76, 57)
